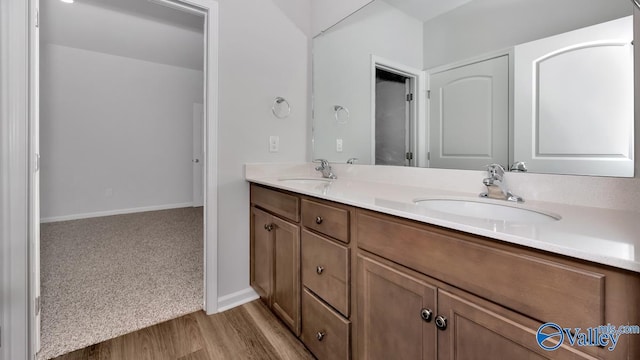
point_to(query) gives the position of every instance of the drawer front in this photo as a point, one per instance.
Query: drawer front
(279, 203)
(325, 270)
(544, 290)
(326, 219)
(324, 332)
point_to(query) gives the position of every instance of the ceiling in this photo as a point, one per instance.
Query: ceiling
(137, 29)
(424, 10)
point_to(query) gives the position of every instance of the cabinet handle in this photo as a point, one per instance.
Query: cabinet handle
(319, 270)
(426, 314)
(320, 335)
(268, 227)
(441, 322)
(319, 220)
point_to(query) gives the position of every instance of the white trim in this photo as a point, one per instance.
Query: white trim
(418, 89)
(14, 180)
(34, 176)
(114, 212)
(211, 157)
(236, 299)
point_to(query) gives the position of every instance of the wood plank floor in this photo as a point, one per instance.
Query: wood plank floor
(250, 331)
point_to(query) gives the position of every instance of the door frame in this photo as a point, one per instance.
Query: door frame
(198, 136)
(418, 88)
(19, 81)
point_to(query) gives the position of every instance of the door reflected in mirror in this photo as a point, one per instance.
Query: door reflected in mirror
(462, 84)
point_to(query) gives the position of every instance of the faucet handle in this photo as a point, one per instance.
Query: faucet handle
(518, 166)
(324, 164)
(496, 171)
(352, 160)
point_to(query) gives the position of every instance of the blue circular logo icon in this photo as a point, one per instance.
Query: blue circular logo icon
(546, 333)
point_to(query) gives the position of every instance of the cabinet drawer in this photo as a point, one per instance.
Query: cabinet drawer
(279, 203)
(327, 219)
(324, 332)
(543, 289)
(325, 270)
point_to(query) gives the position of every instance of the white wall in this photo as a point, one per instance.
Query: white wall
(326, 13)
(342, 75)
(482, 26)
(116, 133)
(263, 54)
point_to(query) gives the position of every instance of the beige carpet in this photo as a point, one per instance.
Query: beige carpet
(104, 277)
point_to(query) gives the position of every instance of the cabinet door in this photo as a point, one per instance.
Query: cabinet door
(285, 300)
(261, 253)
(390, 306)
(479, 330)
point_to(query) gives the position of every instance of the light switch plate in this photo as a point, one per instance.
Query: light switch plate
(339, 145)
(274, 143)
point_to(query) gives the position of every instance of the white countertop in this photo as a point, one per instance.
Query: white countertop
(605, 236)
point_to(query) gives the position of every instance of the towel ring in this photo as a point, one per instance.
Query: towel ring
(281, 108)
(338, 110)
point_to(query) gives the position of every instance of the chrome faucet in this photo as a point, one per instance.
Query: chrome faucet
(325, 168)
(495, 185)
(352, 160)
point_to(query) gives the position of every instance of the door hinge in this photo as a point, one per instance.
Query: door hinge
(37, 18)
(37, 162)
(429, 155)
(409, 156)
(409, 97)
(38, 305)
(428, 94)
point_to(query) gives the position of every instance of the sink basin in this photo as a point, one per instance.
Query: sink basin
(303, 180)
(487, 210)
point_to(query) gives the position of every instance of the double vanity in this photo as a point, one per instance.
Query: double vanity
(372, 268)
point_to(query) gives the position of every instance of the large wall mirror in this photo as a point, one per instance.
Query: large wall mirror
(464, 83)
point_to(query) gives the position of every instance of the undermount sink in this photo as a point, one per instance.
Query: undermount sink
(487, 210)
(305, 180)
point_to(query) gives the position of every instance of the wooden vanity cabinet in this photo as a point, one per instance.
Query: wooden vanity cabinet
(275, 253)
(395, 313)
(326, 279)
(301, 267)
(403, 314)
(488, 299)
(353, 282)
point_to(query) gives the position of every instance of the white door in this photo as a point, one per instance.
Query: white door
(563, 122)
(198, 155)
(469, 115)
(34, 180)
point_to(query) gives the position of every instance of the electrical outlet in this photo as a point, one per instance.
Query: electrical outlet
(274, 143)
(339, 145)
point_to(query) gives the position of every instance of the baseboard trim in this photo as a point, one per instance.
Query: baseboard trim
(114, 212)
(236, 299)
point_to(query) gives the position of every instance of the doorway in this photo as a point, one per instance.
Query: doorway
(394, 120)
(104, 129)
(397, 113)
